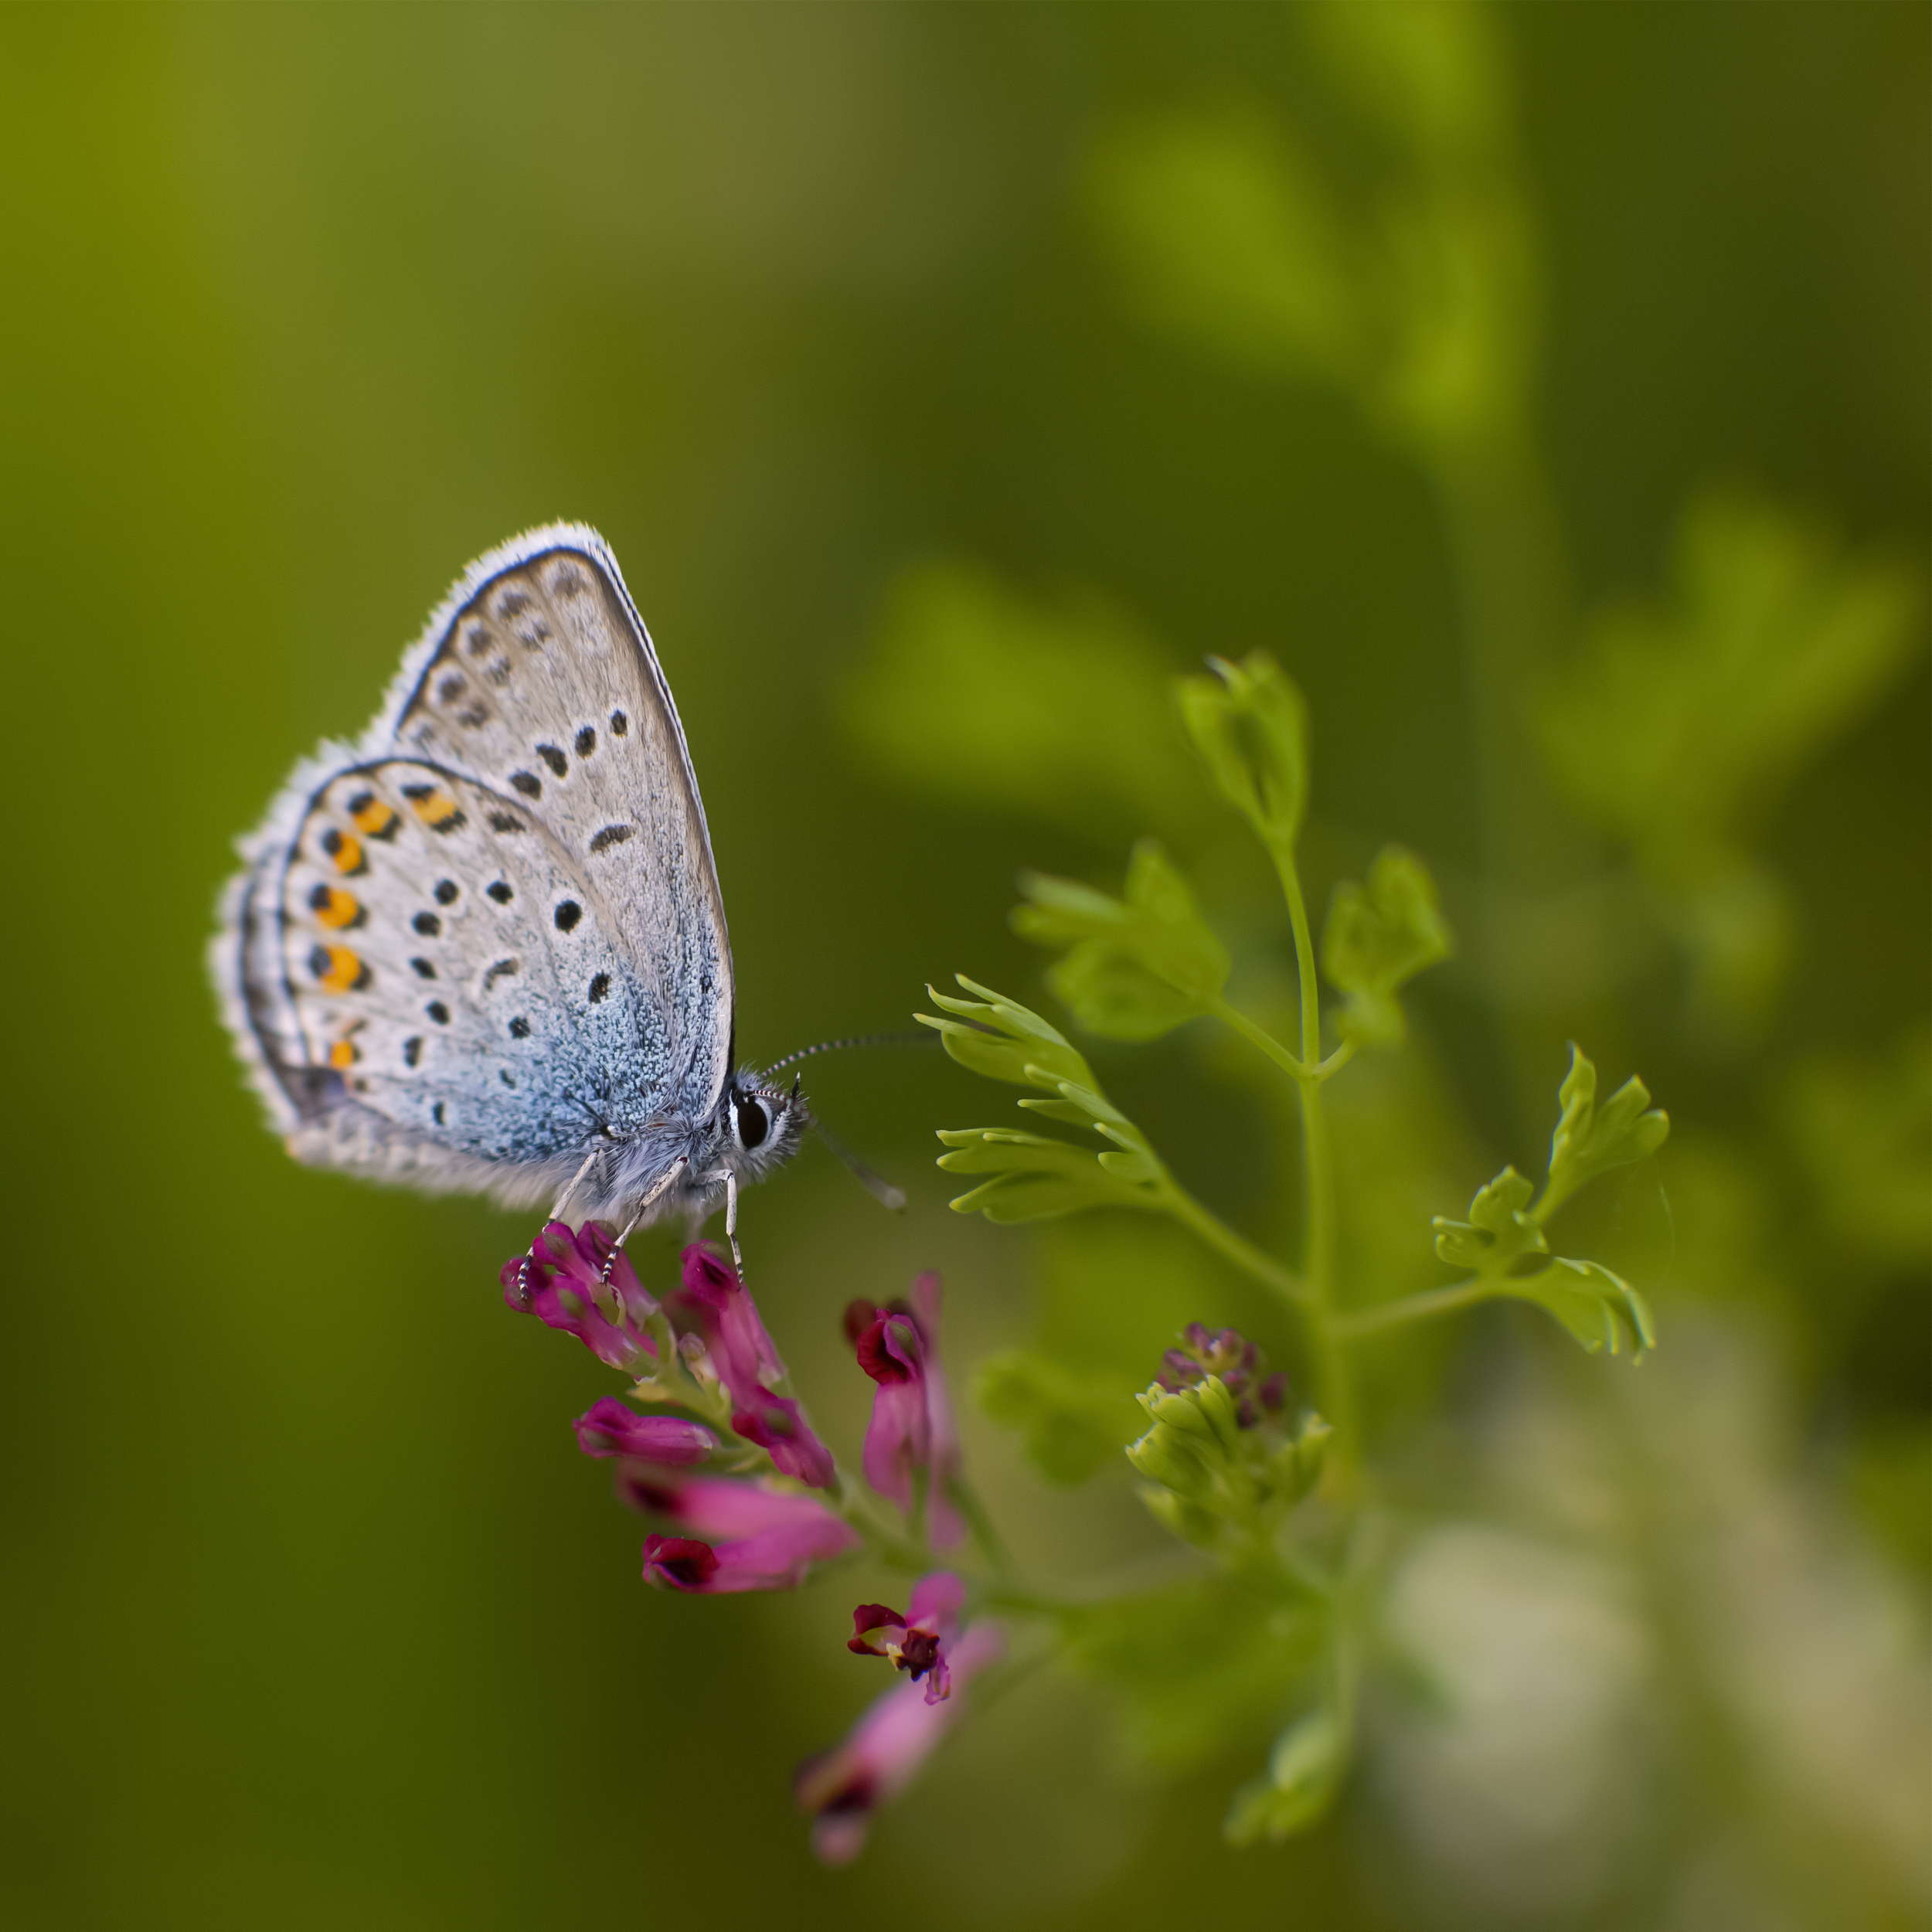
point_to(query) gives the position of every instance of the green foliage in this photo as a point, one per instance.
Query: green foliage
(1304, 1772)
(1197, 1667)
(1599, 1309)
(1503, 1244)
(1418, 306)
(1680, 722)
(1072, 1425)
(1378, 937)
(1863, 1130)
(1034, 1177)
(1250, 724)
(1498, 1237)
(1590, 1140)
(1139, 965)
(1226, 238)
(977, 695)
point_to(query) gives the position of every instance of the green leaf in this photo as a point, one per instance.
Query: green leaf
(1590, 1139)
(1681, 722)
(1250, 724)
(1034, 1177)
(999, 1038)
(1073, 1425)
(1139, 966)
(1226, 241)
(1378, 937)
(1198, 1668)
(979, 694)
(1304, 1772)
(1600, 1309)
(1498, 1235)
(1863, 1131)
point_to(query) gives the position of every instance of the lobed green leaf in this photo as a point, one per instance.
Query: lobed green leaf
(1377, 938)
(1589, 1140)
(1249, 723)
(1498, 1235)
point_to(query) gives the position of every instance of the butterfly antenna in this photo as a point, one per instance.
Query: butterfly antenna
(881, 1189)
(912, 1036)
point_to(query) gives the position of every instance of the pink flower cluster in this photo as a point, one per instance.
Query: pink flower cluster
(727, 1532)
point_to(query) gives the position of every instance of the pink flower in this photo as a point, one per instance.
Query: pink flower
(913, 1425)
(748, 1365)
(561, 1282)
(884, 1752)
(919, 1642)
(753, 1536)
(1236, 1360)
(608, 1428)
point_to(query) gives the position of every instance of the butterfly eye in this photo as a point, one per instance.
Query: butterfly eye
(752, 1126)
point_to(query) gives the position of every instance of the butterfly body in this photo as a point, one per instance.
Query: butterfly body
(483, 949)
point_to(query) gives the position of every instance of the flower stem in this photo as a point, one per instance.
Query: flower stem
(965, 1499)
(1258, 1037)
(1222, 1238)
(1333, 1375)
(1412, 1307)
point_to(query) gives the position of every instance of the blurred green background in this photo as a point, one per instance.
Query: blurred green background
(312, 1614)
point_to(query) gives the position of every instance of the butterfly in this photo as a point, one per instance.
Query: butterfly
(482, 949)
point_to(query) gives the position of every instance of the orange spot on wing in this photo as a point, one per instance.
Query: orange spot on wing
(374, 818)
(344, 850)
(435, 807)
(338, 908)
(344, 970)
(343, 1054)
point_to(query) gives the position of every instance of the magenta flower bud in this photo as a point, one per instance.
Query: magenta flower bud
(747, 1364)
(561, 1282)
(609, 1428)
(913, 1425)
(1236, 1360)
(678, 1562)
(760, 1537)
(842, 1788)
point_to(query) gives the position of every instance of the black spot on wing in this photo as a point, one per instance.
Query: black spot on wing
(499, 890)
(599, 988)
(519, 1028)
(528, 783)
(427, 923)
(555, 759)
(445, 891)
(587, 741)
(612, 836)
(567, 914)
(503, 969)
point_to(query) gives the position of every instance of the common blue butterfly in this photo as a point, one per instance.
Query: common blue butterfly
(482, 949)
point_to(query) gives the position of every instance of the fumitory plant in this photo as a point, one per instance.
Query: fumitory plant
(1271, 1487)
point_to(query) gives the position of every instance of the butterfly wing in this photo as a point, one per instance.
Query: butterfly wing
(491, 934)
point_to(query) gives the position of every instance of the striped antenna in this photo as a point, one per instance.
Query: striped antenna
(912, 1036)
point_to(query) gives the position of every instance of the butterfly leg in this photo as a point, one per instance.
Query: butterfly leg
(731, 1221)
(644, 1208)
(556, 1214)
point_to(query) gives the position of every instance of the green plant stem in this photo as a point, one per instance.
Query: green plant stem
(1223, 1240)
(992, 1546)
(1336, 1377)
(1413, 1307)
(1258, 1036)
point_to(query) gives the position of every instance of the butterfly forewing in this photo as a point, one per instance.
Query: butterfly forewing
(543, 688)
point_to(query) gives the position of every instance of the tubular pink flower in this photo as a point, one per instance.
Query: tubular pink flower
(920, 1643)
(766, 1538)
(748, 1365)
(609, 1428)
(883, 1753)
(913, 1425)
(560, 1281)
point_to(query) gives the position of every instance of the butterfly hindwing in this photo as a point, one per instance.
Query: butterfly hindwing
(452, 972)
